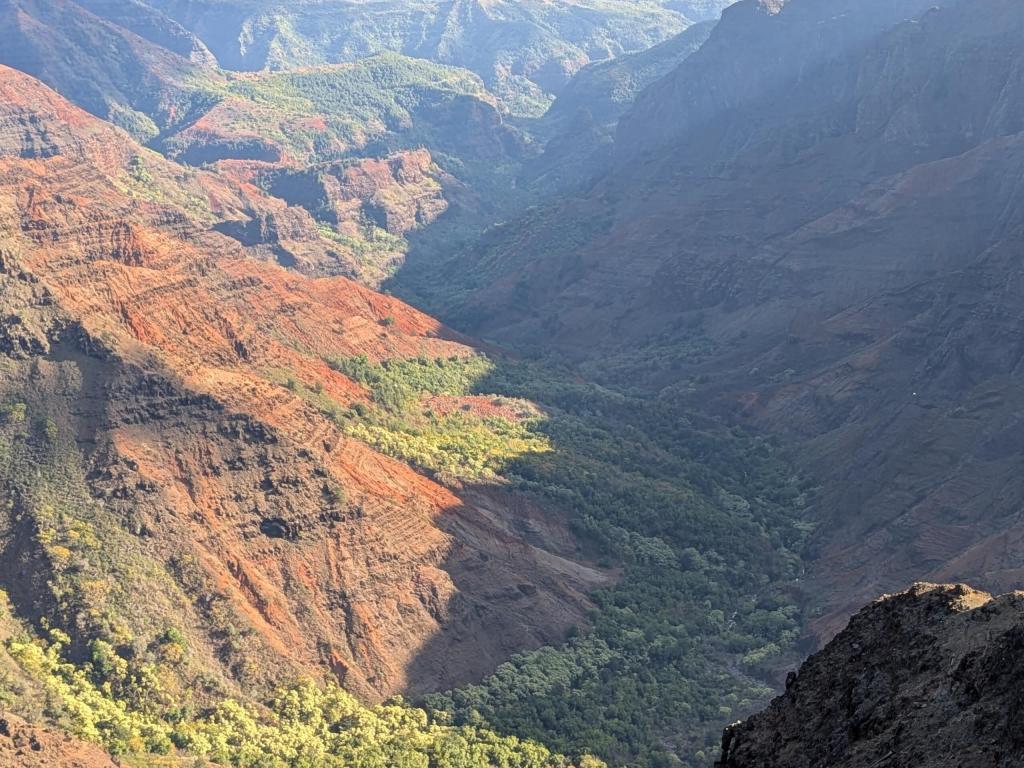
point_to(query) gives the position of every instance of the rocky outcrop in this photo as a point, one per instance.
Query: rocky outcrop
(25, 746)
(398, 193)
(929, 678)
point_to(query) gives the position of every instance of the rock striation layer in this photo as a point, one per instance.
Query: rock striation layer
(182, 371)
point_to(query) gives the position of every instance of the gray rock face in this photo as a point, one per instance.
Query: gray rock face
(930, 678)
(579, 128)
(770, 59)
(788, 115)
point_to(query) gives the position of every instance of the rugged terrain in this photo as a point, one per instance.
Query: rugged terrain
(578, 130)
(524, 51)
(174, 85)
(283, 131)
(814, 246)
(307, 479)
(928, 678)
(26, 746)
(165, 367)
(734, 255)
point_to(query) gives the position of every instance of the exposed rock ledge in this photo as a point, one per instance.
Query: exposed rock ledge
(929, 678)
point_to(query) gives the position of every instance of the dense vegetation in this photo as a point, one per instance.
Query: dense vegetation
(701, 519)
(122, 705)
(697, 523)
(416, 415)
(126, 680)
(350, 104)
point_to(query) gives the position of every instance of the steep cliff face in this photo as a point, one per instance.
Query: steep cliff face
(907, 400)
(578, 129)
(804, 52)
(821, 244)
(283, 130)
(927, 678)
(760, 146)
(186, 386)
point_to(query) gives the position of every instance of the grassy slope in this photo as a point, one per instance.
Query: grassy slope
(318, 113)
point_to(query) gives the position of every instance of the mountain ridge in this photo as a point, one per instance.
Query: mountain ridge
(823, 263)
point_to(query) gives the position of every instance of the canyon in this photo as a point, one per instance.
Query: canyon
(815, 252)
(543, 379)
(163, 361)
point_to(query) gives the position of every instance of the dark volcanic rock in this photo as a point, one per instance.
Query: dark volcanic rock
(930, 678)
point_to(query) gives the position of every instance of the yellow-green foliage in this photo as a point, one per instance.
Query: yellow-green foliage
(372, 243)
(145, 178)
(399, 423)
(351, 103)
(305, 726)
(459, 444)
(413, 377)
(14, 413)
(89, 567)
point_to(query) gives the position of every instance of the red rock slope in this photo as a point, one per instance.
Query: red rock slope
(163, 345)
(26, 746)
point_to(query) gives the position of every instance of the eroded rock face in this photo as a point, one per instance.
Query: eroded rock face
(26, 746)
(930, 678)
(318, 136)
(164, 350)
(398, 193)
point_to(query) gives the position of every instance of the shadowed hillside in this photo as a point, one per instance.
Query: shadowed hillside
(816, 247)
(926, 678)
(308, 478)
